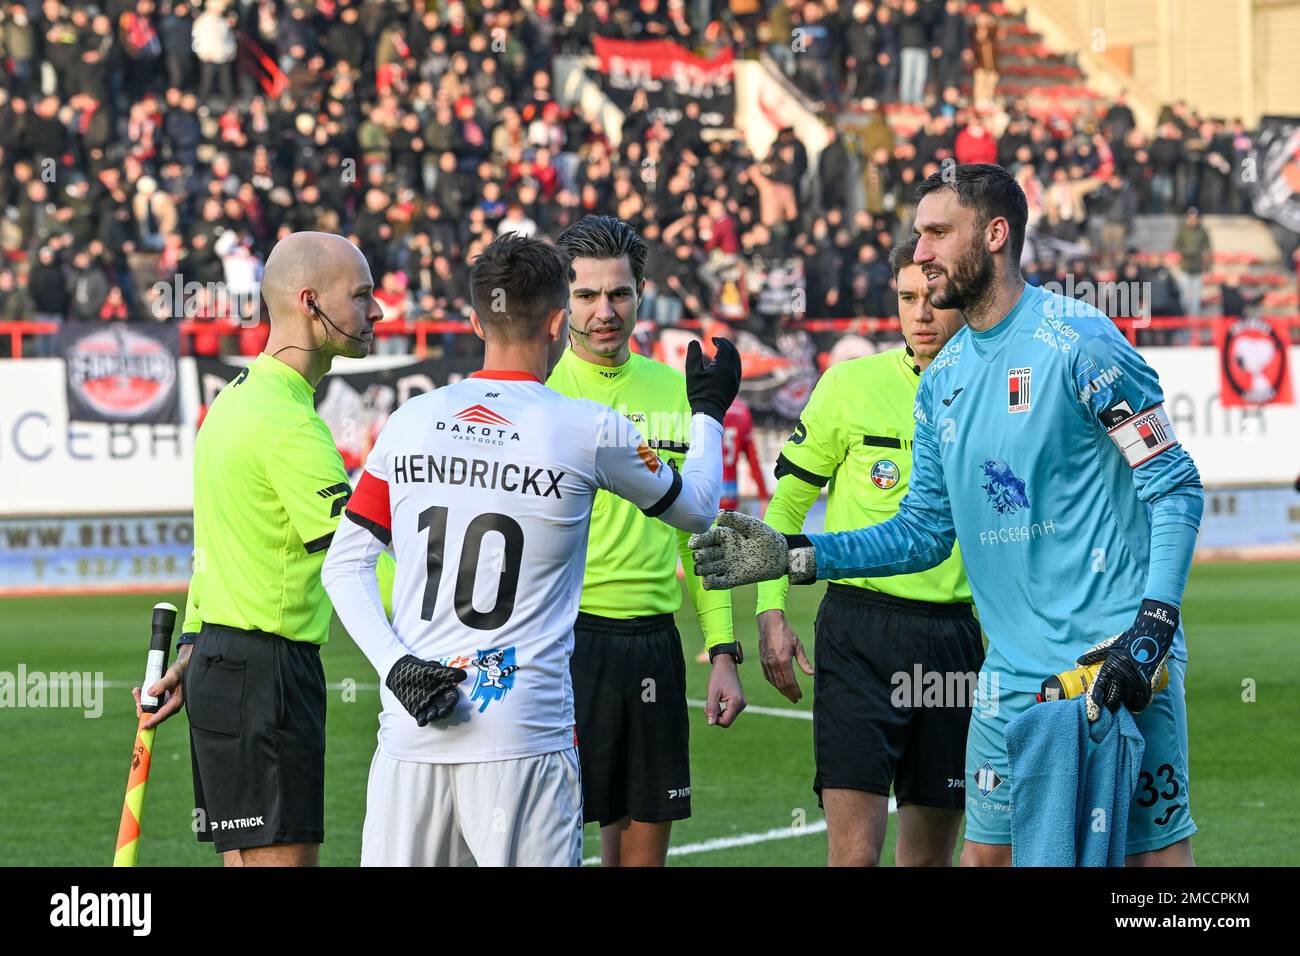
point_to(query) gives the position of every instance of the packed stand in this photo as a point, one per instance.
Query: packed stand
(150, 146)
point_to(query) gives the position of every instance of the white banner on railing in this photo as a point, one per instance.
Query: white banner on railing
(1231, 446)
(51, 466)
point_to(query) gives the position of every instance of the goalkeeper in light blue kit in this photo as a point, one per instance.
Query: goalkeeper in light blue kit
(1043, 447)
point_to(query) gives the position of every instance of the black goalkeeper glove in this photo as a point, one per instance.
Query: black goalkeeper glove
(711, 388)
(426, 689)
(1131, 662)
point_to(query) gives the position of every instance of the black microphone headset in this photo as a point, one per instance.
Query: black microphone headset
(311, 304)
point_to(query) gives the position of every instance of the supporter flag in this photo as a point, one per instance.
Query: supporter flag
(1254, 367)
(671, 76)
(121, 374)
(1274, 171)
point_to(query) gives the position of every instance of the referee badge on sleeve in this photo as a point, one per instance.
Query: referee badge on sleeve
(1144, 436)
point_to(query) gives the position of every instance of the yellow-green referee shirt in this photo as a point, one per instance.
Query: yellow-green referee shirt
(855, 435)
(269, 486)
(631, 559)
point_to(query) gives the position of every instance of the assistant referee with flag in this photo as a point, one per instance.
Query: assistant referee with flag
(269, 486)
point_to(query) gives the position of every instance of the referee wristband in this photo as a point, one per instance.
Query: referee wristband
(187, 637)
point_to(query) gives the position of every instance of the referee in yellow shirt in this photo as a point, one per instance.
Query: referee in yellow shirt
(629, 674)
(269, 486)
(877, 639)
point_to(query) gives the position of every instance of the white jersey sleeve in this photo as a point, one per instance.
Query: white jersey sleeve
(349, 570)
(629, 468)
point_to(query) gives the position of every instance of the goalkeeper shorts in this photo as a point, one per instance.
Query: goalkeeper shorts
(1160, 814)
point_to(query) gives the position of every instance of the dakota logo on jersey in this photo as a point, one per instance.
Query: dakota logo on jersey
(482, 415)
(496, 675)
(482, 426)
(1144, 436)
(987, 779)
(1006, 492)
(884, 474)
(1018, 389)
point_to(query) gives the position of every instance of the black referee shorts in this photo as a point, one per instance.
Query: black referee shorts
(256, 705)
(874, 723)
(629, 690)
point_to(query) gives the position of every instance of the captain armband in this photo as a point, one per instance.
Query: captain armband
(1142, 436)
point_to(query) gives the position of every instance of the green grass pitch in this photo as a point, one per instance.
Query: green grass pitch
(61, 789)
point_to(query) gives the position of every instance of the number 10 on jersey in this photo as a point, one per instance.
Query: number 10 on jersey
(434, 520)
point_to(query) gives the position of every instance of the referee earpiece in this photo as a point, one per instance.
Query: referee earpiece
(311, 304)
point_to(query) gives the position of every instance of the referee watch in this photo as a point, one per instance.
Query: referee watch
(731, 647)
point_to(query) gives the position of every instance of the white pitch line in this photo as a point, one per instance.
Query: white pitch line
(371, 688)
(745, 839)
(767, 711)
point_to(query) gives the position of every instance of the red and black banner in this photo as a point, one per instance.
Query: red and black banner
(1254, 367)
(671, 76)
(122, 374)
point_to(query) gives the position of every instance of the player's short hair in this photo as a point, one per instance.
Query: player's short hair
(604, 237)
(516, 282)
(901, 256)
(989, 190)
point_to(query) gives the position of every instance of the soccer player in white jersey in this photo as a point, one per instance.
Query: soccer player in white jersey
(484, 490)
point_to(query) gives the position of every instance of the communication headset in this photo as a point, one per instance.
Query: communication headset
(311, 304)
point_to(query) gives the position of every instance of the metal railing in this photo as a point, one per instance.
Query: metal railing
(1201, 328)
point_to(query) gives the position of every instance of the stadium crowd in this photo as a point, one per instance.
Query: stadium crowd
(148, 140)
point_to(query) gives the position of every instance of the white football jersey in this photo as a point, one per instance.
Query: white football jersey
(484, 491)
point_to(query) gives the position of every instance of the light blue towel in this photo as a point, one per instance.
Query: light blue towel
(1071, 784)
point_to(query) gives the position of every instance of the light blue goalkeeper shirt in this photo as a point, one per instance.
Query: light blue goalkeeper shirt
(1041, 445)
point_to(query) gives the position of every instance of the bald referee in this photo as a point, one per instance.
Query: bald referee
(269, 487)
